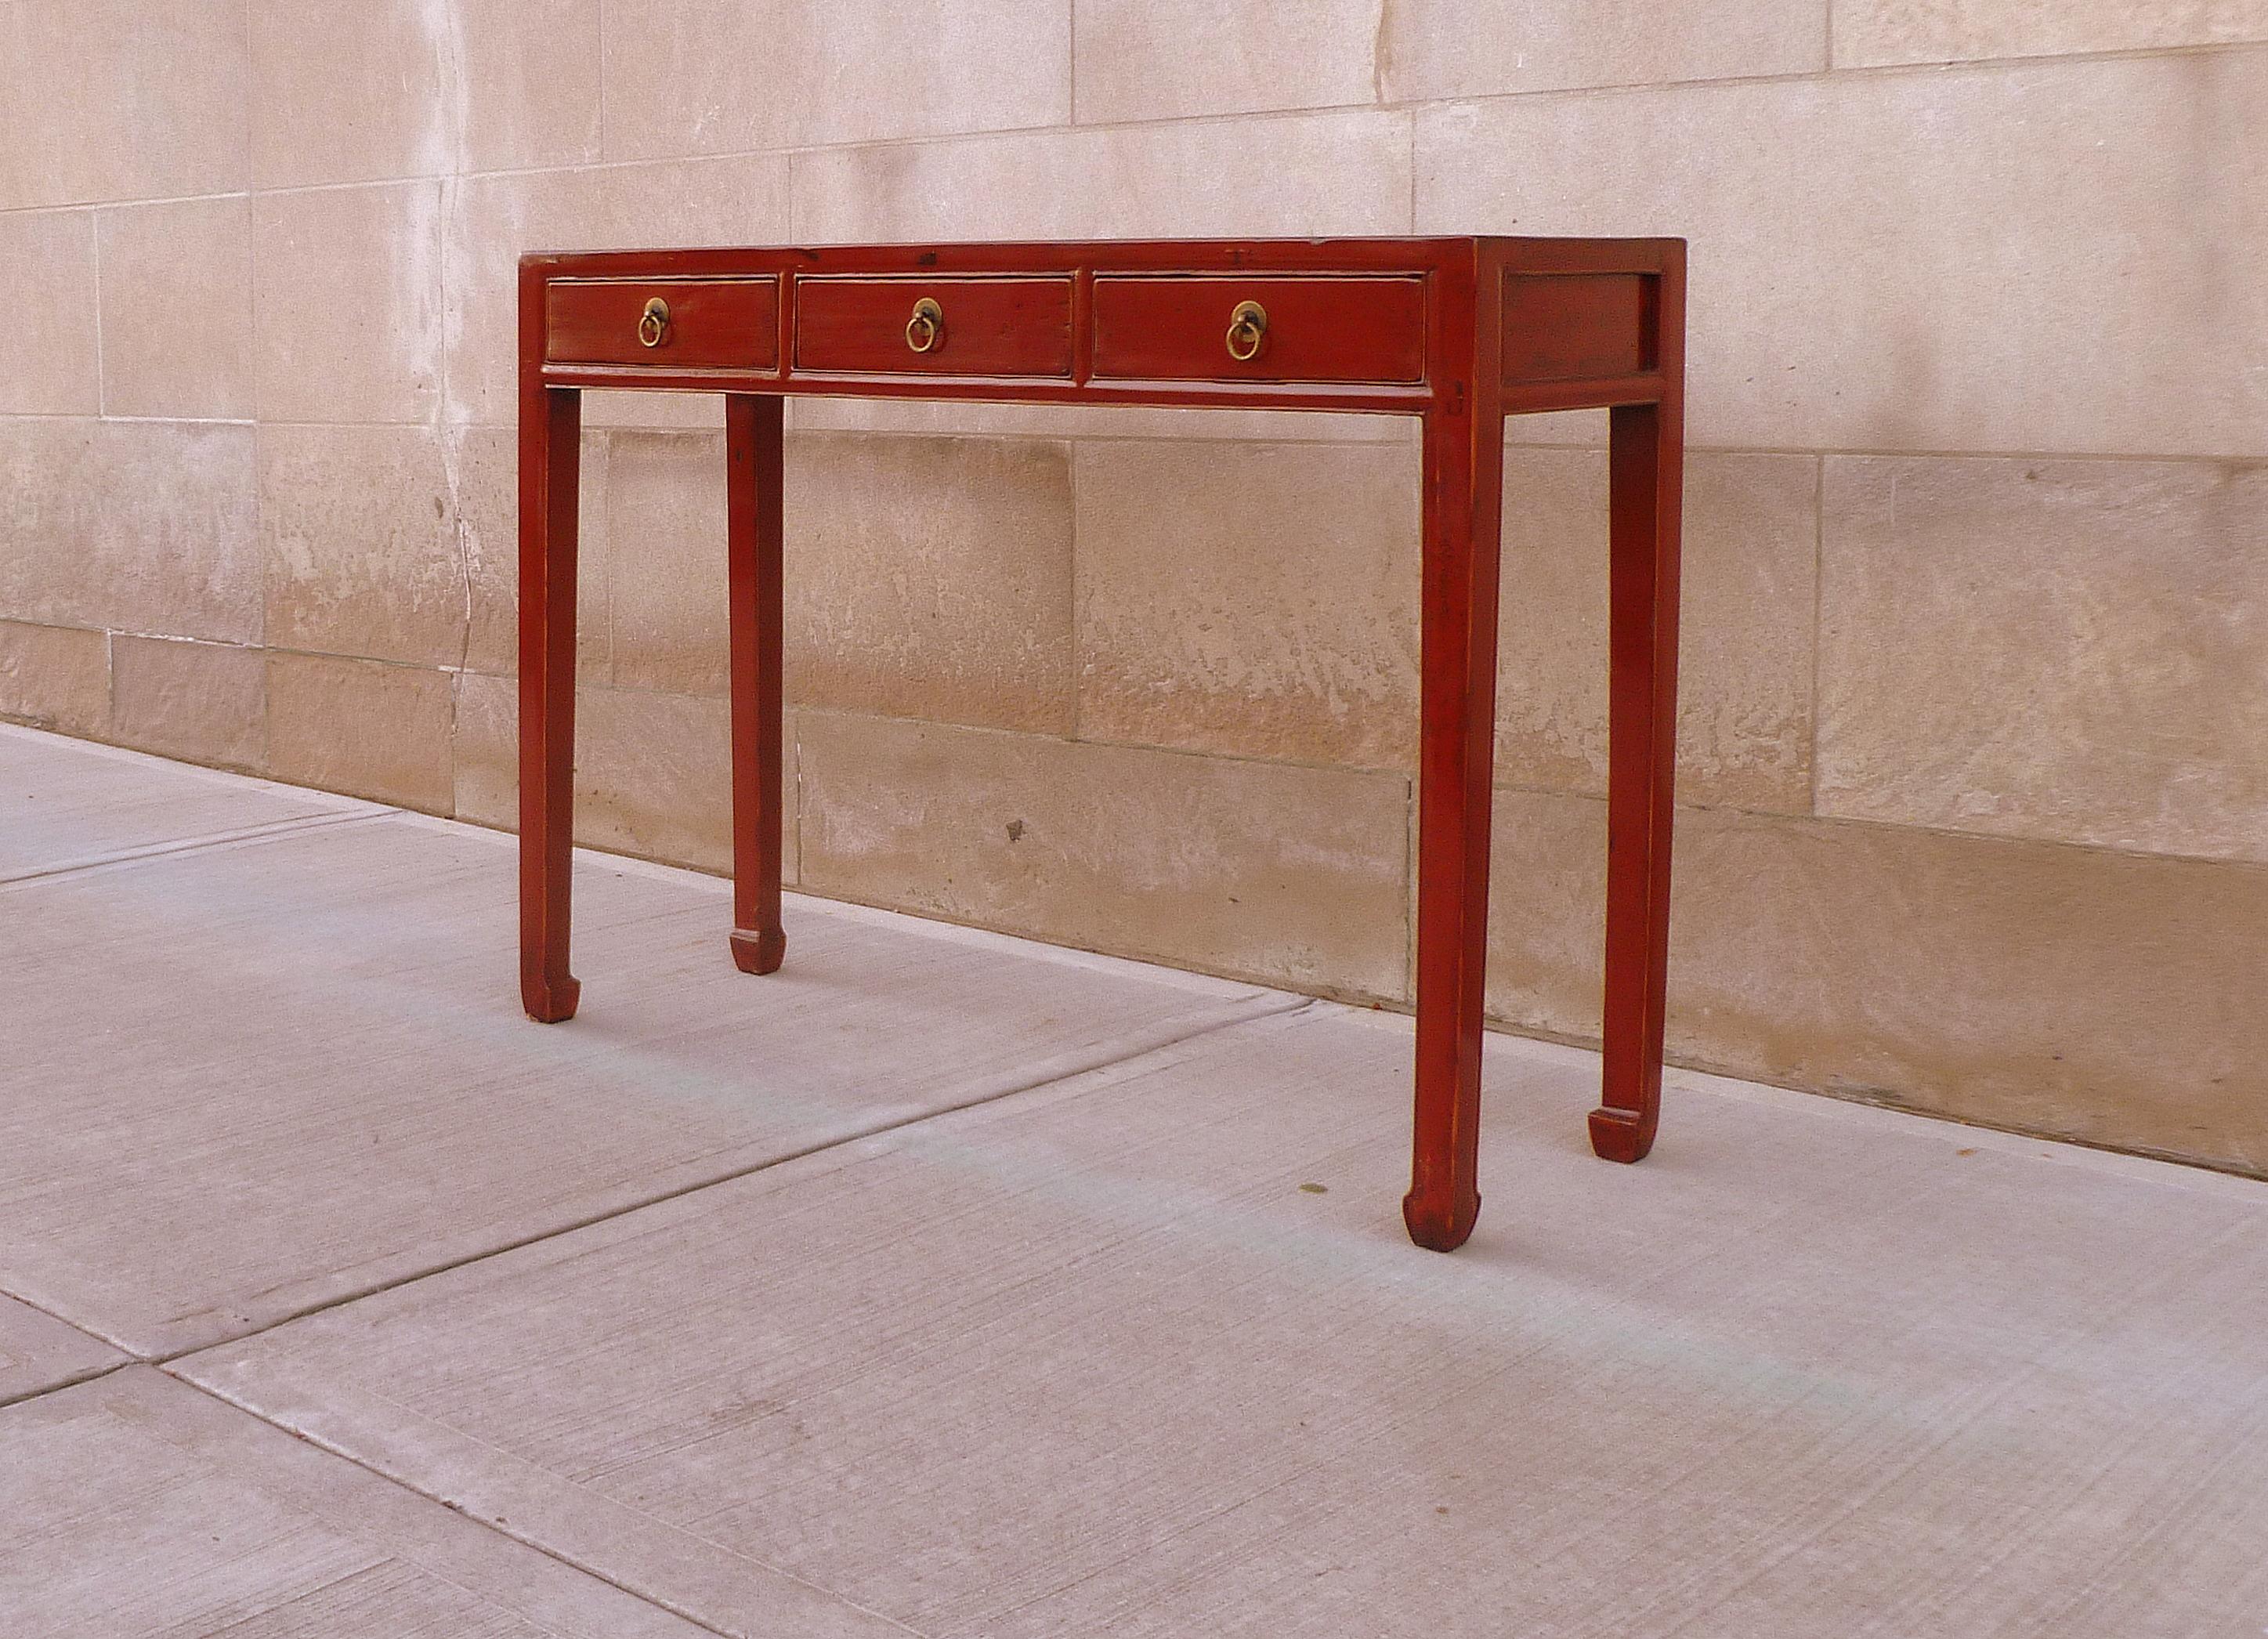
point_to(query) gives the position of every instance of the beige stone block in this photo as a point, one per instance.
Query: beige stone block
(204, 702)
(653, 775)
(925, 577)
(677, 72)
(1261, 870)
(55, 677)
(2066, 649)
(484, 773)
(2104, 997)
(390, 89)
(347, 303)
(1172, 59)
(1258, 600)
(177, 309)
(484, 468)
(347, 93)
(121, 100)
(930, 578)
(1580, 429)
(358, 529)
(1748, 589)
(48, 346)
(658, 412)
(1435, 48)
(493, 220)
(144, 527)
(666, 568)
(653, 772)
(526, 87)
(364, 728)
(1194, 179)
(1931, 30)
(2012, 258)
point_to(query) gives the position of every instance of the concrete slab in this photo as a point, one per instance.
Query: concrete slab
(1101, 1358)
(137, 1506)
(244, 1081)
(65, 804)
(39, 1353)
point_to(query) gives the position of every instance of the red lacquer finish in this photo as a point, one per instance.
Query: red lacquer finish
(753, 568)
(981, 327)
(1149, 328)
(734, 322)
(1459, 332)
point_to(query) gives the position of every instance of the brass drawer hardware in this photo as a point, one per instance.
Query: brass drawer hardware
(1248, 328)
(926, 329)
(653, 323)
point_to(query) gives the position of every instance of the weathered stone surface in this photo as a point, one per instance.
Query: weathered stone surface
(652, 771)
(1431, 48)
(929, 578)
(665, 588)
(1254, 600)
(484, 468)
(1186, 180)
(134, 526)
(677, 73)
(55, 677)
(1748, 594)
(359, 531)
(1259, 870)
(2031, 256)
(2065, 649)
(107, 99)
(1166, 59)
(175, 279)
(347, 303)
(205, 702)
(2103, 997)
(49, 364)
(364, 728)
(1869, 32)
(391, 89)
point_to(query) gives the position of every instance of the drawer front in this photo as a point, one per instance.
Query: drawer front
(1156, 329)
(1005, 327)
(699, 323)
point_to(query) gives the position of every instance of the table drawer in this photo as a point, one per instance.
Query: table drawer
(680, 324)
(1168, 328)
(1004, 327)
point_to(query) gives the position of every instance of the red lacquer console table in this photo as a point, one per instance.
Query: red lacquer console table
(1458, 332)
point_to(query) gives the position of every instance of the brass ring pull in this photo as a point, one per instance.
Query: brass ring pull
(926, 329)
(1248, 328)
(653, 323)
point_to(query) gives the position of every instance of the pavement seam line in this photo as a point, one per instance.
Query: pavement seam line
(94, 1375)
(1161, 1042)
(169, 1364)
(196, 845)
(330, 1449)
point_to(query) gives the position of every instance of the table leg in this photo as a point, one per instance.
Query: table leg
(752, 531)
(550, 438)
(1463, 503)
(1646, 463)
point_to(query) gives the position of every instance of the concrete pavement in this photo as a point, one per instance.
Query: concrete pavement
(951, 1285)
